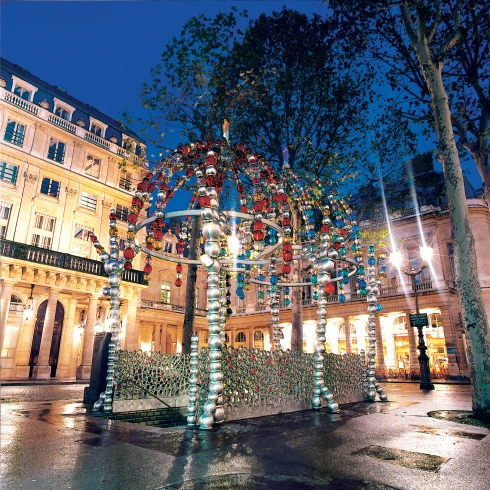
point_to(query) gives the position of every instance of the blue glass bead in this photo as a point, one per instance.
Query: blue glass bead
(341, 298)
(371, 261)
(379, 307)
(274, 279)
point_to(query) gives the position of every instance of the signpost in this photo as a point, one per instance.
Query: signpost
(419, 320)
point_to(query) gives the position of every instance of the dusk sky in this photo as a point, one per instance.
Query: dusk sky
(101, 52)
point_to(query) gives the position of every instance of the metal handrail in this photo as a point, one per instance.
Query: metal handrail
(38, 255)
(153, 395)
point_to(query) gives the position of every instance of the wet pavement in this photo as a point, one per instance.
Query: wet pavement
(50, 442)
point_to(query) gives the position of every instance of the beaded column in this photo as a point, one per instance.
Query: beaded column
(193, 382)
(325, 266)
(114, 267)
(372, 385)
(274, 303)
(211, 232)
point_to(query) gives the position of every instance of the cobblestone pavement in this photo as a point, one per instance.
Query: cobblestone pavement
(50, 442)
(41, 393)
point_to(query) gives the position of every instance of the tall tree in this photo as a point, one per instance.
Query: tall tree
(287, 84)
(466, 72)
(431, 29)
(180, 100)
(284, 81)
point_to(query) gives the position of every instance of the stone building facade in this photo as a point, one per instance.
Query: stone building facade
(62, 171)
(64, 166)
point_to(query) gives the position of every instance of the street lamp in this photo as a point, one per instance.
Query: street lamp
(418, 320)
(29, 307)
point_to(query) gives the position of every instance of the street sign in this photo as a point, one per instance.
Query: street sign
(419, 320)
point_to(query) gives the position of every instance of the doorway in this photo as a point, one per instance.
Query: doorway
(55, 341)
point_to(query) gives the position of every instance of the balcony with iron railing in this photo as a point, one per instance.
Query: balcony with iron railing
(73, 129)
(43, 256)
(169, 307)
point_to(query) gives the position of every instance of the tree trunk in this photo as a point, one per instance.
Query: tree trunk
(296, 296)
(481, 160)
(468, 285)
(190, 290)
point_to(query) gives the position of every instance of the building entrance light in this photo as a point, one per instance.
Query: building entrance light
(396, 259)
(29, 306)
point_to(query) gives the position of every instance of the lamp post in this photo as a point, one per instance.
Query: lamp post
(396, 259)
(29, 306)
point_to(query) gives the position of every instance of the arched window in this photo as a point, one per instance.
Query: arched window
(227, 338)
(16, 304)
(258, 336)
(400, 323)
(435, 320)
(240, 337)
(168, 246)
(353, 330)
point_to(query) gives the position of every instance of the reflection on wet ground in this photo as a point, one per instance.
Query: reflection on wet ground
(273, 482)
(303, 450)
(181, 441)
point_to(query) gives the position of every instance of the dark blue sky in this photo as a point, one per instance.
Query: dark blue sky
(101, 52)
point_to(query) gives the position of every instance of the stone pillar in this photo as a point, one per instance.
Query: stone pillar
(233, 335)
(380, 357)
(83, 371)
(348, 343)
(389, 340)
(361, 338)
(132, 326)
(457, 364)
(65, 358)
(42, 370)
(156, 333)
(163, 339)
(250, 337)
(24, 343)
(334, 338)
(180, 333)
(412, 342)
(7, 289)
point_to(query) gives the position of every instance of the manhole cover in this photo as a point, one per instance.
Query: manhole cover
(452, 433)
(460, 416)
(409, 459)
